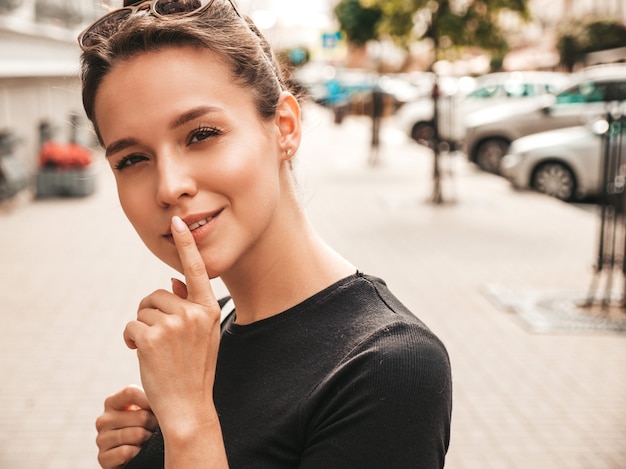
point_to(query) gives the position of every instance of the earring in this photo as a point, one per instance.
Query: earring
(289, 152)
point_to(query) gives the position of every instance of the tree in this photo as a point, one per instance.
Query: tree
(449, 23)
(580, 38)
(357, 22)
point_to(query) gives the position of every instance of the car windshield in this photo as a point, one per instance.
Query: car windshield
(517, 90)
(513, 89)
(590, 92)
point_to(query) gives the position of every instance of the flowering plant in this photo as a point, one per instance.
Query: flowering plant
(60, 155)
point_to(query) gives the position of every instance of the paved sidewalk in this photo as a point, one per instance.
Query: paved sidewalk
(73, 272)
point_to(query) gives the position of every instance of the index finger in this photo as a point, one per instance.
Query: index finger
(196, 277)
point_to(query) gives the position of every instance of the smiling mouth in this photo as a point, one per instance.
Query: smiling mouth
(196, 225)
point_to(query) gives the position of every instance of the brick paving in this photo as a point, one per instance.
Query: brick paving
(73, 272)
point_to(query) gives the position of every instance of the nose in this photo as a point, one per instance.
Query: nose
(175, 181)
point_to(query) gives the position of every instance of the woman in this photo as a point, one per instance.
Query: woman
(319, 365)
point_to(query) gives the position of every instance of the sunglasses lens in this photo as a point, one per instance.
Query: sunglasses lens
(106, 27)
(173, 7)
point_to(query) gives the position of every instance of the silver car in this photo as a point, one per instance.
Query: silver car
(564, 163)
(462, 96)
(489, 133)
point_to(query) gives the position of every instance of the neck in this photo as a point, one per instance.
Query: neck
(285, 272)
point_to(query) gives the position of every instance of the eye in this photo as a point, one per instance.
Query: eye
(203, 133)
(128, 161)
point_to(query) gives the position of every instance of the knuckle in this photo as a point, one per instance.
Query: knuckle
(128, 394)
(102, 422)
(186, 242)
(103, 460)
(132, 435)
(195, 317)
(146, 419)
(196, 268)
(100, 440)
(148, 300)
(108, 401)
(128, 453)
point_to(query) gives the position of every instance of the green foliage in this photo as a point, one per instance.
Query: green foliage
(358, 23)
(580, 38)
(447, 22)
(397, 17)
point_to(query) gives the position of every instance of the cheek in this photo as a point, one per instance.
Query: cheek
(136, 206)
(261, 202)
(259, 182)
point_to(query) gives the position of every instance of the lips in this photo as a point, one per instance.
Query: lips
(195, 222)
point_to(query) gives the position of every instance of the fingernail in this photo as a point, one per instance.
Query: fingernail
(179, 224)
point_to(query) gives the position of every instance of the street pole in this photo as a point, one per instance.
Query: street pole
(437, 193)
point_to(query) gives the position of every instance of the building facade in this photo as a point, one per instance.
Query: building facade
(39, 66)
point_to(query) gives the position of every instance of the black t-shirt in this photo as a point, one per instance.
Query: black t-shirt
(349, 378)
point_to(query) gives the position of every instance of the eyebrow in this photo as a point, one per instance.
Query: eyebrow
(193, 114)
(188, 116)
(119, 145)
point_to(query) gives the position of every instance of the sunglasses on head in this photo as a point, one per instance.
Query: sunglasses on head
(107, 25)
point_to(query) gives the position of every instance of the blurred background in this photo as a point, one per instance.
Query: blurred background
(338, 52)
(470, 152)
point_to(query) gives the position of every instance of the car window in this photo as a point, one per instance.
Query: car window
(518, 90)
(553, 88)
(616, 91)
(514, 89)
(486, 91)
(586, 92)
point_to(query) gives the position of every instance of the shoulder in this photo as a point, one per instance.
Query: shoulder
(385, 341)
(405, 353)
(392, 388)
(396, 351)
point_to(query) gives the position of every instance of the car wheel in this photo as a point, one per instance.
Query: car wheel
(555, 179)
(424, 133)
(489, 154)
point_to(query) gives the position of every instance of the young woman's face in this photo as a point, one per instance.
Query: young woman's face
(183, 139)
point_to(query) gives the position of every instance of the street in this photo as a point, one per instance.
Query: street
(528, 393)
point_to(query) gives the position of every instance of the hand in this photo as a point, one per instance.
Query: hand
(177, 337)
(126, 423)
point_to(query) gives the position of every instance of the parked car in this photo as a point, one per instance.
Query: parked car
(565, 163)
(460, 96)
(348, 90)
(490, 132)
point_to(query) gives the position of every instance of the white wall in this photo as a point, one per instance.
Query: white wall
(26, 102)
(39, 65)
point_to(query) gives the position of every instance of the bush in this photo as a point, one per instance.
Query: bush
(580, 38)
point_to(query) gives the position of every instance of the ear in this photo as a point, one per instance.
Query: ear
(288, 124)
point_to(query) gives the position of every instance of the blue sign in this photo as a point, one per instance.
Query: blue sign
(330, 40)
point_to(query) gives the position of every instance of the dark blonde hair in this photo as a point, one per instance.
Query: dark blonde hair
(218, 29)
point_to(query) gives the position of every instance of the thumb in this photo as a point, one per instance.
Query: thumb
(179, 288)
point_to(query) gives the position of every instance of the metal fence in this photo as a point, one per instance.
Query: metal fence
(610, 266)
